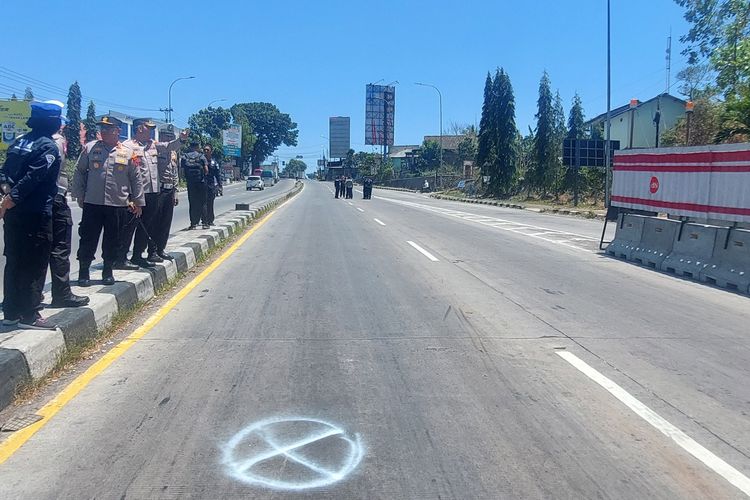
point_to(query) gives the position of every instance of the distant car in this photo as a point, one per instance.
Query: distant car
(254, 182)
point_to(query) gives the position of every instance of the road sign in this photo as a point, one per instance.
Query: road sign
(232, 140)
(591, 152)
(13, 116)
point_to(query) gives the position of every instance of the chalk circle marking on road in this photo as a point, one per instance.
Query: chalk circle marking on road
(292, 453)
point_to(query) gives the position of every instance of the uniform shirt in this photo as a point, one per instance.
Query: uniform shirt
(108, 176)
(169, 168)
(214, 174)
(148, 154)
(62, 178)
(32, 166)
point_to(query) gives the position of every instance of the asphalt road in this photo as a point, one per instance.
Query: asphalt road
(440, 351)
(234, 193)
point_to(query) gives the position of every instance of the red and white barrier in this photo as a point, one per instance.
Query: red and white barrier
(707, 182)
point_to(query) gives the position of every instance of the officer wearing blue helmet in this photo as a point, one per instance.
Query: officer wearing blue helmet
(29, 185)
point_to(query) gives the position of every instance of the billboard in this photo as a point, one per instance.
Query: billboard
(705, 182)
(380, 107)
(13, 116)
(338, 136)
(232, 140)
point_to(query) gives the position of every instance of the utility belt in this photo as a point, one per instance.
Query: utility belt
(166, 187)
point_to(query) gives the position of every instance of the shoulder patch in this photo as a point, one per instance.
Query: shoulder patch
(50, 160)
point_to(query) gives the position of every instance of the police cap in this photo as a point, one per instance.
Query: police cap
(109, 120)
(148, 122)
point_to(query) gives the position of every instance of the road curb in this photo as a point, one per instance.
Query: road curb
(27, 355)
(554, 211)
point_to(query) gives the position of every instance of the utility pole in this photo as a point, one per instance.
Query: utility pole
(440, 104)
(169, 109)
(607, 147)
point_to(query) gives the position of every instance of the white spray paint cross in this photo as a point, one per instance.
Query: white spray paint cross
(292, 454)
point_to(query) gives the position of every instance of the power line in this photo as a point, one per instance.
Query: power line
(12, 75)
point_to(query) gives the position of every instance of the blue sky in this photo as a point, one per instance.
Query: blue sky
(313, 58)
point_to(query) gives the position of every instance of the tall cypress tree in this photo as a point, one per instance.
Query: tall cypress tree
(487, 133)
(90, 122)
(506, 138)
(28, 94)
(558, 114)
(73, 128)
(576, 120)
(543, 169)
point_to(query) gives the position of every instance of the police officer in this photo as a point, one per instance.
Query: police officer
(195, 168)
(107, 184)
(337, 184)
(147, 152)
(213, 187)
(167, 200)
(367, 188)
(29, 185)
(62, 234)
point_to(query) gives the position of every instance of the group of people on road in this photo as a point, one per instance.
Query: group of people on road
(344, 187)
(127, 192)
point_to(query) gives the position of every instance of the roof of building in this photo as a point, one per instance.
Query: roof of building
(624, 109)
(400, 151)
(450, 142)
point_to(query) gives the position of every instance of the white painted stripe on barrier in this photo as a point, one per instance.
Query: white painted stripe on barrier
(713, 462)
(423, 251)
(379, 222)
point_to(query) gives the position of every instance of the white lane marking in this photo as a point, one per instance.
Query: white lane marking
(350, 203)
(684, 441)
(379, 222)
(360, 209)
(539, 232)
(423, 251)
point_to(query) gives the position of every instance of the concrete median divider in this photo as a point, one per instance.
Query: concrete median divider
(627, 236)
(656, 242)
(692, 249)
(729, 266)
(27, 355)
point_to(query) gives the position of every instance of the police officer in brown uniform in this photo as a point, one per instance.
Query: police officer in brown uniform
(147, 150)
(168, 178)
(107, 184)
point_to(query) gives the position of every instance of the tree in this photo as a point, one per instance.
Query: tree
(90, 122)
(543, 169)
(487, 133)
(210, 121)
(271, 128)
(576, 120)
(705, 124)
(719, 34)
(429, 156)
(28, 94)
(558, 174)
(693, 78)
(13, 97)
(505, 141)
(295, 168)
(73, 128)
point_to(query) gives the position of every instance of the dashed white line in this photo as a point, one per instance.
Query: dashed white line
(423, 251)
(379, 222)
(360, 209)
(350, 203)
(684, 441)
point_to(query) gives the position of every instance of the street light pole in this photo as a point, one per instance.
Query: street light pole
(169, 107)
(215, 100)
(440, 101)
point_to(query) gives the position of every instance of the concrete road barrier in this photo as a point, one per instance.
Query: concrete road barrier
(28, 354)
(627, 236)
(692, 249)
(657, 240)
(729, 267)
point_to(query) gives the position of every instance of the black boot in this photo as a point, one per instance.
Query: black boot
(84, 279)
(107, 276)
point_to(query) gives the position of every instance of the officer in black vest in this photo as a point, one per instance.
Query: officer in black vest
(195, 168)
(29, 187)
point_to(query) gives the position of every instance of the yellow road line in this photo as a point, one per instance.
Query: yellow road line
(17, 439)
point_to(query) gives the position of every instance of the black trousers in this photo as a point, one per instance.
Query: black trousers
(148, 217)
(349, 193)
(163, 219)
(208, 206)
(28, 241)
(196, 199)
(93, 220)
(338, 190)
(59, 258)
